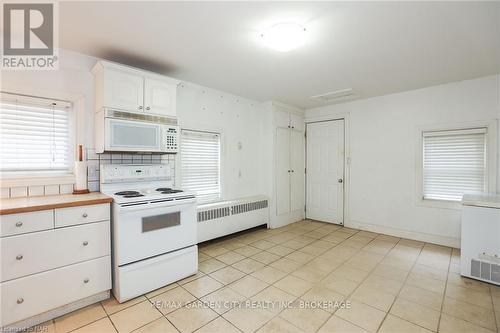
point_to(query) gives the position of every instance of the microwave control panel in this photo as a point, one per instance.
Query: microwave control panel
(171, 139)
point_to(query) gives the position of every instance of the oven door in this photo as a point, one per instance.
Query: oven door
(141, 232)
(130, 135)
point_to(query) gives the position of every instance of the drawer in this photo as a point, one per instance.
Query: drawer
(15, 224)
(40, 251)
(81, 215)
(25, 297)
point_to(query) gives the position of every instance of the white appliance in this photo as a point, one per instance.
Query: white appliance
(480, 248)
(132, 132)
(154, 228)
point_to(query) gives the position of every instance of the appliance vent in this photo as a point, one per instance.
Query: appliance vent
(336, 95)
(212, 214)
(485, 270)
(246, 207)
(141, 117)
(231, 209)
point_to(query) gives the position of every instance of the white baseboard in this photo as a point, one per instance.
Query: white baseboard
(282, 220)
(418, 236)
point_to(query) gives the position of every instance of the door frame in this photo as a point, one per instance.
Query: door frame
(347, 158)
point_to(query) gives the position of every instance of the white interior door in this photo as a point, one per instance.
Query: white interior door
(282, 171)
(297, 170)
(325, 171)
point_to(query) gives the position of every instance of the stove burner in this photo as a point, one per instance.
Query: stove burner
(162, 189)
(125, 193)
(170, 191)
(133, 195)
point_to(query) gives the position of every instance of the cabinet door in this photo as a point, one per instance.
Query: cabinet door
(297, 122)
(297, 167)
(282, 119)
(159, 97)
(282, 171)
(123, 90)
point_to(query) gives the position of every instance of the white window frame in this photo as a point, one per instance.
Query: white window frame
(220, 132)
(491, 160)
(45, 177)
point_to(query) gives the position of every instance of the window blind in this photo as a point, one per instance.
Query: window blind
(34, 134)
(200, 164)
(454, 163)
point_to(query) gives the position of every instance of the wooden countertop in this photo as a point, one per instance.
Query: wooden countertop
(32, 204)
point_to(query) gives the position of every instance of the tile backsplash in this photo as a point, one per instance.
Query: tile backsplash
(95, 160)
(93, 165)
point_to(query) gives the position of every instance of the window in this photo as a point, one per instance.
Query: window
(35, 135)
(200, 164)
(454, 163)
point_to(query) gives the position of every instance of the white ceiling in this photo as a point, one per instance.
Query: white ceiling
(374, 48)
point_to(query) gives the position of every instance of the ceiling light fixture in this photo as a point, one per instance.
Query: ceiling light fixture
(284, 37)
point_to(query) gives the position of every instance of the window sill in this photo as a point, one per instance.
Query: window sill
(442, 204)
(34, 179)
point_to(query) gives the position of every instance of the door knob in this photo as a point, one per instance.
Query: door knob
(340, 180)
(84, 215)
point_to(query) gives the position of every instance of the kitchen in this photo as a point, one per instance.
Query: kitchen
(198, 194)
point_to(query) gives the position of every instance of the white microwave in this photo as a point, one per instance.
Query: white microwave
(130, 132)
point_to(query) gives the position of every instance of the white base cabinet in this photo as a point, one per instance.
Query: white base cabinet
(52, 259)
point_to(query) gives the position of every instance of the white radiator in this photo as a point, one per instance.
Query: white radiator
(227, 217)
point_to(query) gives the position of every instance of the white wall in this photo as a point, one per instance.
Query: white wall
(382, 147)
(240, 120)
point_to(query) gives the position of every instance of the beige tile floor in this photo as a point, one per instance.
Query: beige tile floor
(320, 278)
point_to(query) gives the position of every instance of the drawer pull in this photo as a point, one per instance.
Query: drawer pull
(84, 215)
(20, 300)
(19, 224)
(19, 257)
(86, 280)
(85, 243)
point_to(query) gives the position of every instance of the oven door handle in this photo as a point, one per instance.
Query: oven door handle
(174, 204)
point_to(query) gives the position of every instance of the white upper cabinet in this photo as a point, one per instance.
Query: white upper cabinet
(159, 97)
(289, 120)
(123, 90)
(297, 122)
(133, 90)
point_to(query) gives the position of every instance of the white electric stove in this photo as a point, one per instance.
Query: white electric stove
(154, 228)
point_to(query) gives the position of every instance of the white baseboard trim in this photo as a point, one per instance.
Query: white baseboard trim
(418, 236)
(285, 219)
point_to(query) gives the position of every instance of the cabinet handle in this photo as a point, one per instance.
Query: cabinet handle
(86, 280)
(20, 300)
(85, 243)
(289, 171)
(293, 127)
(293, 170)
(84, 215)
(19, 257)
(147, 108)
(19, 224)
(140, 107)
